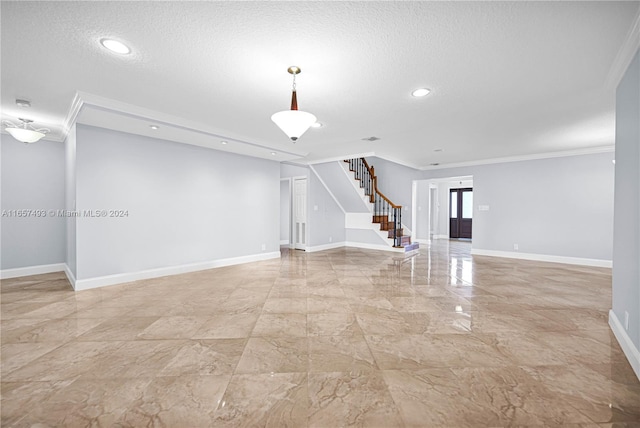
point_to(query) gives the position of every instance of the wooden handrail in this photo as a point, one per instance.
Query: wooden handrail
(375, 184)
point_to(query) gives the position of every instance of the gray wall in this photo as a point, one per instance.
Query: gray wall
(325, 218)
(70, 198)
(32, 178)
(392, 182)
(626, 250)
(560, 206)
(341, 186)
(289, 170)
(185, 204)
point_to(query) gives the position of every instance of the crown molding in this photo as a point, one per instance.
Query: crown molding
(85, 99)
(340, 158)
(625, 54)
(72, 115)
(292, 163)
(536, 156)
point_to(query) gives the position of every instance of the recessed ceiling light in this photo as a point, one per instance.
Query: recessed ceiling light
(23, 103)
(115, 46)
(316, 125)
(273, 153)
(154, 127)
(420, 92)
(223, 142)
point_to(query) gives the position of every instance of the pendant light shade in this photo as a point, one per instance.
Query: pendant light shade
(26, 134)
(293, 122)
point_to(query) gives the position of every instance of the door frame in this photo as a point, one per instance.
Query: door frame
(289, 212)
(459, 191)
(439, 211)
(292, 230)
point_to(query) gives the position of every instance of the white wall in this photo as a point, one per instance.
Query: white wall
(32, 178)
(185, 204)
(626, 249)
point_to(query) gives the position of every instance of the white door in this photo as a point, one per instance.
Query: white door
(300, 213)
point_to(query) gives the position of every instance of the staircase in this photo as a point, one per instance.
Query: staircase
(385, 213)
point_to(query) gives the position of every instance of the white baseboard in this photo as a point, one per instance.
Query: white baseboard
(324, 247)
(284, 242)
(373, 247)
(31, 270)
(543, 258)
(630, 350)
(70, 277)
(422, 241)
(353, 245)
(85, 284)
(440, 236)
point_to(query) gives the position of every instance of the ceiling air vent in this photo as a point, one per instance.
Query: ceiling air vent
(371, 139)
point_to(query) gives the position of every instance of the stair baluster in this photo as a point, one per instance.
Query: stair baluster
(385, 212)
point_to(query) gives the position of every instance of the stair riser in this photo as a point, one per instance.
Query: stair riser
(400, 232)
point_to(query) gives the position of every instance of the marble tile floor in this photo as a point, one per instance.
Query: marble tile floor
(343, 337)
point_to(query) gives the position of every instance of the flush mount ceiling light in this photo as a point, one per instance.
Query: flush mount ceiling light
(115, 46)
(421, 92)
(154, 127)
(293, 122)
(26, 133)
(23, 103)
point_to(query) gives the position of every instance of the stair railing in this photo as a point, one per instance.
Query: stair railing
(384, 211)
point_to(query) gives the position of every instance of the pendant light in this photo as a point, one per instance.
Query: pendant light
(26, 133)
(293, 122)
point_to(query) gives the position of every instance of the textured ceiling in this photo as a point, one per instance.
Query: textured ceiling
(507, 78)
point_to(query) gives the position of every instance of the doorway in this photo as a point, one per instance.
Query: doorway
(300, 213)
(285, 212)
(460, 213)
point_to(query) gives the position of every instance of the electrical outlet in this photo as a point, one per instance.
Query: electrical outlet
(264, 247)
(331, 239)
(626, 320)
(515, 247)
